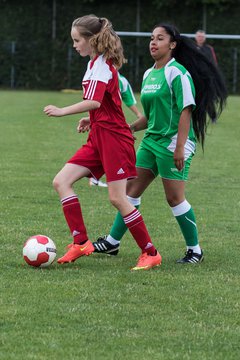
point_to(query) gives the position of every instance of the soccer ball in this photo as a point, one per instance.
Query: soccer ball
(39, 251)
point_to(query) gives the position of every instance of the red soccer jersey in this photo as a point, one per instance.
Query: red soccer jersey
(110, 144)
(100, 83)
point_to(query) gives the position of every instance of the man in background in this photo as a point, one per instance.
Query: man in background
(208, 50)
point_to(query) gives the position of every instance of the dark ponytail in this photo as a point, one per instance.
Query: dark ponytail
(211, 92)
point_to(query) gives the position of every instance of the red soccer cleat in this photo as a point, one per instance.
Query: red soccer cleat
(146, 262)
(75, 251)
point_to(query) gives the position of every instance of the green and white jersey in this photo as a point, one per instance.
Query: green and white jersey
(126, 91)
(165, 93)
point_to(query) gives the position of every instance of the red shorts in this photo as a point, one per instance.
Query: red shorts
(107, 153)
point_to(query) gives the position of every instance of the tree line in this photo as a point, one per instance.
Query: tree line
(36, 48)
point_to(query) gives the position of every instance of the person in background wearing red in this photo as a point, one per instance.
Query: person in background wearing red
(206, 49)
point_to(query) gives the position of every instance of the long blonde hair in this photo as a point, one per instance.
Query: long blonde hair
(102, 38)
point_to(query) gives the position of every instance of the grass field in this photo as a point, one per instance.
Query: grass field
(97, 308)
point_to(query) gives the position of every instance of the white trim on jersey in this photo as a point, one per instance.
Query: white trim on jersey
(123, 81)
(189, 146)
(100, 71)
(171, 72)
(147, 72)
(91, 89)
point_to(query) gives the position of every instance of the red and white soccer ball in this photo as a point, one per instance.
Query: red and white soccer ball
(39, 251)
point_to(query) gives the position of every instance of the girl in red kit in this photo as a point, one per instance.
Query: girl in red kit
(110, 144)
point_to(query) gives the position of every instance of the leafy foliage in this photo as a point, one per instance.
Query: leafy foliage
(31, 57)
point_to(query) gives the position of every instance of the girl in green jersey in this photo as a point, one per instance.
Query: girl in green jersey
(179, 94)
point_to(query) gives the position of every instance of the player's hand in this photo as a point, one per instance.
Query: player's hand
(132, 130)
(83, 125)
(134, 137)
(51, 110)
(178, 157)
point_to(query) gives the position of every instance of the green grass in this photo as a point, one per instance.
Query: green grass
(97, 308)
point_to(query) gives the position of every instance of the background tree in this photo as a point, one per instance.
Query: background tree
(36, 47)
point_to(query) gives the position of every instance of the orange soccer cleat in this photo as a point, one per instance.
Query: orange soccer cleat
(75, 251)
(146, 262)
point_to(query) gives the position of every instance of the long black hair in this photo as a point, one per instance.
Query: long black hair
(211, 92)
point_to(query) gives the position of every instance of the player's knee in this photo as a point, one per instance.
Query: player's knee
(114, 200)
(56, 183)
(174, 200)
